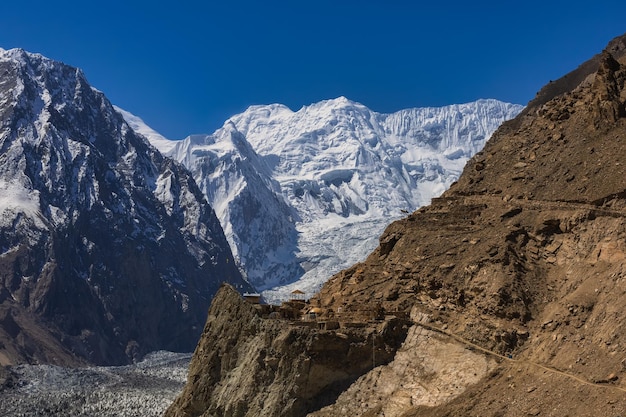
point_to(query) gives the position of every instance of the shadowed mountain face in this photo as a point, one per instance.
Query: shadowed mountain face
(515, 279)
(107, 249)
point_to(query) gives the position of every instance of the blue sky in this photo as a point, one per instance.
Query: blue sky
(186, 66)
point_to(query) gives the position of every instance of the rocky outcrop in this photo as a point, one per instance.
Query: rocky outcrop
(247, 365)
(516, 276)
(429, 369)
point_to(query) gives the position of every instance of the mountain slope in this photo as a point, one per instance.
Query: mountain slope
(315, 187)
(157, 140)
(513, 280)
(108, 250)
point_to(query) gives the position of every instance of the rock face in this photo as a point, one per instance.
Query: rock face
(108, 250)
(516, 276)
(247, 365)
(428, 370)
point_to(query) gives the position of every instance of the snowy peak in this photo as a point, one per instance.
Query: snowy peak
(311, 190)
(337, 104)
(342, 135)
(98, 231)
(157, 140)
(256, 219)
(18, 54)
(265, 111)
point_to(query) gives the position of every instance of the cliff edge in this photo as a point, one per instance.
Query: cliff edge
(250, 364)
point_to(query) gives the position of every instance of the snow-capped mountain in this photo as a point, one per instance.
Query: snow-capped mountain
(304, 194)
(108, 250)
(257, 220)
(138, 125)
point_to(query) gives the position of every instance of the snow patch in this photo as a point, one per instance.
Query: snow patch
(157, 140)
(16, 199)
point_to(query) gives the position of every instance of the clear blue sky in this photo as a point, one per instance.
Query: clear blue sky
(185, 66)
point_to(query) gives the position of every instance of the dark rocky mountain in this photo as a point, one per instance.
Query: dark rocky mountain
(108, 250)
(514, 282)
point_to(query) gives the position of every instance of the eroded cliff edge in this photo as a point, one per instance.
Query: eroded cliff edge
(248, 364)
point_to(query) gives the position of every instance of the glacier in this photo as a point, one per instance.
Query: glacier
(303, 194)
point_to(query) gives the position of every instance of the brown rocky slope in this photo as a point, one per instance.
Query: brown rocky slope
(515, 279)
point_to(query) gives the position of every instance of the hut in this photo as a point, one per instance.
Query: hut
(312, 314)
(253, 298)
(297, 295)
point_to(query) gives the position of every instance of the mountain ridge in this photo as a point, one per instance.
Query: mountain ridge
(108, 249)
(327, 172)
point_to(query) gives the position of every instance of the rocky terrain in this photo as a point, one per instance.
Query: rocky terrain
(142, 389)
(108, 250)
(300, 367)
(513, 285)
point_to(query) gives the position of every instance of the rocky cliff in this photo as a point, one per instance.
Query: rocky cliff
(515, 279)
(248, 364)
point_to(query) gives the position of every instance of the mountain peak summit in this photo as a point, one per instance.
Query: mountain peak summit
(297, 191)
(98, 231)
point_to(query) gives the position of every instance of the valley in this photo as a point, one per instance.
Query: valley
(490, 282)
(143, 389)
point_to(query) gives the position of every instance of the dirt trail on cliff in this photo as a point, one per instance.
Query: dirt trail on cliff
(603, 384)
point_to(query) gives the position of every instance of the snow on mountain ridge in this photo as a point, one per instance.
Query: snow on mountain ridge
(98, 231)
(342, 136)
(157, 140)
(238, 185)
(334, 174)
(16, 199)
